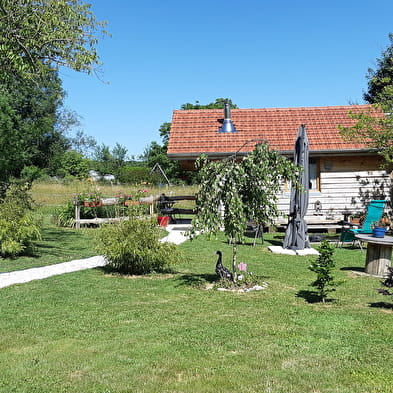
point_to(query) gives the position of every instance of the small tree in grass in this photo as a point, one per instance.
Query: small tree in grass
(233, 192)
(323, 267)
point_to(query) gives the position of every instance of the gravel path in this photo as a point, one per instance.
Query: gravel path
(176, 234)
(38, 273)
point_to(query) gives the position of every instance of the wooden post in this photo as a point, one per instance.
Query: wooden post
(77, 214)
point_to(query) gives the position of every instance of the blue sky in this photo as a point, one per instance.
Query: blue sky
(259, 53)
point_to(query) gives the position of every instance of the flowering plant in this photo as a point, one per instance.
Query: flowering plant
(91, 197)
(129, 197)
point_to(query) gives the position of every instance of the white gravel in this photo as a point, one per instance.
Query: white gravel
(38, 273)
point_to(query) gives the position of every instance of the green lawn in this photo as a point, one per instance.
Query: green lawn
(92, 332)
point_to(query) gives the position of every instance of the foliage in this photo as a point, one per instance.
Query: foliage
(380, 81)
(36, 34)
(18, 227)
(233, 192)
(370, 126)
(217, 104)
(28, 118)
(323, 267)
(70, 164)
(136, 175)
(133, 247)
(89, 196)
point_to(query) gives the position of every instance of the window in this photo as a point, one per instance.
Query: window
(314, 174)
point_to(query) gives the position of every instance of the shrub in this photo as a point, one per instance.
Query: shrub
(323, 267)
(133, 247)
(18, 227)
(136, 175)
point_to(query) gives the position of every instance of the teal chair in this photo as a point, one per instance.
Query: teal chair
(374, 213)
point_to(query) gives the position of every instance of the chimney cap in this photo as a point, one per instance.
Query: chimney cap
(227, 126)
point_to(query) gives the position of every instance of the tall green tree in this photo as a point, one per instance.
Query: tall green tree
(28, 112)
(371, 126)
(38, 33)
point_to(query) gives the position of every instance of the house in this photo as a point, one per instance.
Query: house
(344, 174)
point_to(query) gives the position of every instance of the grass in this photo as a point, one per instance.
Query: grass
(58, 193)
(94, 332)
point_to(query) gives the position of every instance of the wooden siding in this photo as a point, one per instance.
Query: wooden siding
(346, 185)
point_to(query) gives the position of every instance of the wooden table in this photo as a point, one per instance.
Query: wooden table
(379, 253)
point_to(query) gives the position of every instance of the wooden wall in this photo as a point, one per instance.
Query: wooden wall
(346, 184)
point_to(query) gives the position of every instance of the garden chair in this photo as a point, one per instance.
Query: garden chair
(255, 230)
(374, 213)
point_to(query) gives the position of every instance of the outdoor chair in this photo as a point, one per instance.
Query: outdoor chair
(374, 213)
(255, 230)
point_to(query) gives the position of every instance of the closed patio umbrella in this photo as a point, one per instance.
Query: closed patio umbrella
(296, 237)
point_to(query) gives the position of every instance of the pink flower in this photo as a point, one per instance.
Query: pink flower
(242, 267)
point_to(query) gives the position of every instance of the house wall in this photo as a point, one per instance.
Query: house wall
(346, 184)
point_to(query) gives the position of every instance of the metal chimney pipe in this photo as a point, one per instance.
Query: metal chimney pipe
(227, 125)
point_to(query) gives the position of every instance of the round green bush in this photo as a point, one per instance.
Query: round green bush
(132, 247)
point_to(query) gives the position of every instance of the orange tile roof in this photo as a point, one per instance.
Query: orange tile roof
(196, 131)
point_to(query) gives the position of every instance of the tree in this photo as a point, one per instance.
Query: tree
(375, 126)
(28, 112)
(217, 104)
(38, 33)
(240, 190)
(323, 267)
(380, 81)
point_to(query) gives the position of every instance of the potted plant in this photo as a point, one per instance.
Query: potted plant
(90, 199)
(379, 228)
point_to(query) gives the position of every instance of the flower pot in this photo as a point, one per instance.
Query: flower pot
(379, 232)
(92, 204)
(163, 221)
(128, 203)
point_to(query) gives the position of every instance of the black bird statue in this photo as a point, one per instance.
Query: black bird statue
(221, 270)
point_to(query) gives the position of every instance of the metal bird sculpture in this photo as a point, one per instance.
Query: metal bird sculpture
(221, 270)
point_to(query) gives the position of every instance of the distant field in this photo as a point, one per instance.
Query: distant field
(52, 194)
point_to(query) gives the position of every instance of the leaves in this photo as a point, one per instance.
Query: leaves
(47, 32)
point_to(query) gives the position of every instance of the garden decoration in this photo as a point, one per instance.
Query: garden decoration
(296, 237)
(221, 270)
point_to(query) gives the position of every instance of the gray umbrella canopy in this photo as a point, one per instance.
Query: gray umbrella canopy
(296, 237)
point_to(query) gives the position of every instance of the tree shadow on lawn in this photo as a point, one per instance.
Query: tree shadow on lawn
(353, 268)
(312, 297)
(385, 305)
(197, 280)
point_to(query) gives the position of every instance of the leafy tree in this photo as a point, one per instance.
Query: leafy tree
(231, 192)
(38, 33)
(28, 135)
(217, 104)
(380, 81)
(371, 126)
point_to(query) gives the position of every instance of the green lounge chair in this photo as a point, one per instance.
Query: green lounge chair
(374, 213)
